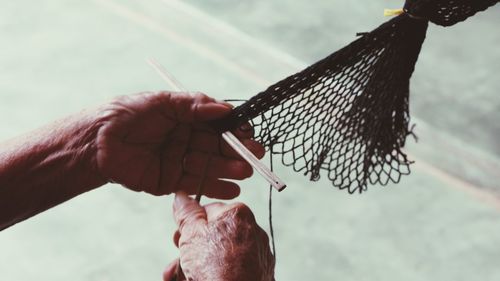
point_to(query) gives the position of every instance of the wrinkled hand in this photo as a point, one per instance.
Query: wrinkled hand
(159, 143)
(219, 242)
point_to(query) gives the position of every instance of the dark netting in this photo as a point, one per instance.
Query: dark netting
(348, 114)
(448, 12)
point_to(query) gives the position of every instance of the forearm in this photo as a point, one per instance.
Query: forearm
(47, 167)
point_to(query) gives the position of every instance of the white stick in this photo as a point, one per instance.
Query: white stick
(170, 79)
(231, 139)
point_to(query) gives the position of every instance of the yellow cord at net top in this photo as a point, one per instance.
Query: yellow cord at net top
(393, 12)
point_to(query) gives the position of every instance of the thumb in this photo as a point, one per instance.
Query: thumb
(196, 107)
(187, 212)
(210, 111)
(170, 271)
(173, 272)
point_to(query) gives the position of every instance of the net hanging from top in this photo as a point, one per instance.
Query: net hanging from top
(348, 114)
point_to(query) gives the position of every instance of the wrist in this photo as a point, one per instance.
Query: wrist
(80, 140)
(48, 166)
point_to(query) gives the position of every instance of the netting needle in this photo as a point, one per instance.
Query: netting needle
(229, 137)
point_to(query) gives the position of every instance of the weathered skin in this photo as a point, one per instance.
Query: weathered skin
(220, 242)
(152, 142)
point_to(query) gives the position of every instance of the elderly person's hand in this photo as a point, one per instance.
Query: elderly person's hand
(153, 142)
(219, 242)
(160, 143)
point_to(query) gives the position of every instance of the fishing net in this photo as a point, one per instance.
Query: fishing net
(348, 114)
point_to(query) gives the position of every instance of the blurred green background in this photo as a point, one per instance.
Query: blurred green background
(440, 223)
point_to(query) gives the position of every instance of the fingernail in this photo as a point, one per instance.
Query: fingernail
(245, 127)
(181, 198)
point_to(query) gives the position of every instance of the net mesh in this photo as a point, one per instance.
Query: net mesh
(448, 12)
(348, 114)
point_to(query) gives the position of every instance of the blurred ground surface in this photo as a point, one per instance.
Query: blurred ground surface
(440, 223)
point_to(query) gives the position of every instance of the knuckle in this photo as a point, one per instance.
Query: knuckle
(243, 211)
(163, 96)
(199, 96)
(188, 220)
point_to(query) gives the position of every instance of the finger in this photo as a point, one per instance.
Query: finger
(187, 212)
(210, 111)
(245, 131)
(213, 188)
(215, 210)
(171, 157)
(197, 107)
(240, 210)
(197, 163)
(169, 273)
(254, 146)
(209, 142)
(214, 205)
